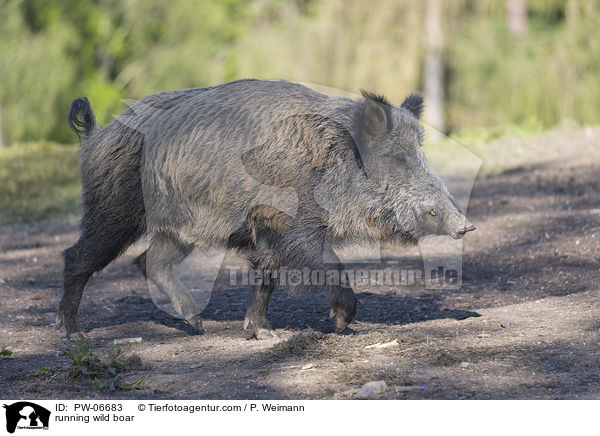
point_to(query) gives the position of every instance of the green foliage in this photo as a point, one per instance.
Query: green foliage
(56, 50)
(534, 81)
(48, 372)
(106, 97)
(346, 45)
(493, 77)
(112, 384)
(38, 181)
(83, 364)
(5, 352)
(35, 72)
(79, 355)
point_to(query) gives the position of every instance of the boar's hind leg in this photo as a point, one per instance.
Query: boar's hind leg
(256, 315)
(99, 244)
(165, 252)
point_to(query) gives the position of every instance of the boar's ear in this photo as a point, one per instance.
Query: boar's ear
(414, 104)
(375, 116)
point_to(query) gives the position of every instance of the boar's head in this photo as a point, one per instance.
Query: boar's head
(413, 201)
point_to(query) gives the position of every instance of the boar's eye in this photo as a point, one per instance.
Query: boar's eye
(433, 212)
(400, 161)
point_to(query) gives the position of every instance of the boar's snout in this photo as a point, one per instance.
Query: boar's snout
(462, 231)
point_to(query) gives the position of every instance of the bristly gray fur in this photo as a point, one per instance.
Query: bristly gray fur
(379, 98)
(414, 104)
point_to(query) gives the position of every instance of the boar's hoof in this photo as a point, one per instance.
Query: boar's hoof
(262, 328)
(77, 336)
(59, 320)
(195, 322)
(342, 318)
(74, 332)
(266, 334)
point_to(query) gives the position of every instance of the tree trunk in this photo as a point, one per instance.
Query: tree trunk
(1, 132)
(516, 15)
(570, 75)
(433, 74)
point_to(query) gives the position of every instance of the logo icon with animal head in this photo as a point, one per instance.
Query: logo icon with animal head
(26, 415)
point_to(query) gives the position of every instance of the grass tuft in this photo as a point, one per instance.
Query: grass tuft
(84, 365)
(38, 182)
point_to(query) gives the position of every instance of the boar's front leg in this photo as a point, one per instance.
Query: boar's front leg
(310, 248)
(164, 252)
(341, 298)
(256, 315)
(343, 306)
(273, 239)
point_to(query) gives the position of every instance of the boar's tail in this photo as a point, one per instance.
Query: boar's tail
(81, 118)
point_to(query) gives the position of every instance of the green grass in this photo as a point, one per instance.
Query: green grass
(38, 182)
(83, 364)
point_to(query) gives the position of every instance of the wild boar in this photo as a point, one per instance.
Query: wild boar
(187, 168)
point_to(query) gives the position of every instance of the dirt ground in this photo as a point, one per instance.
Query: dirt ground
(524, 325)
